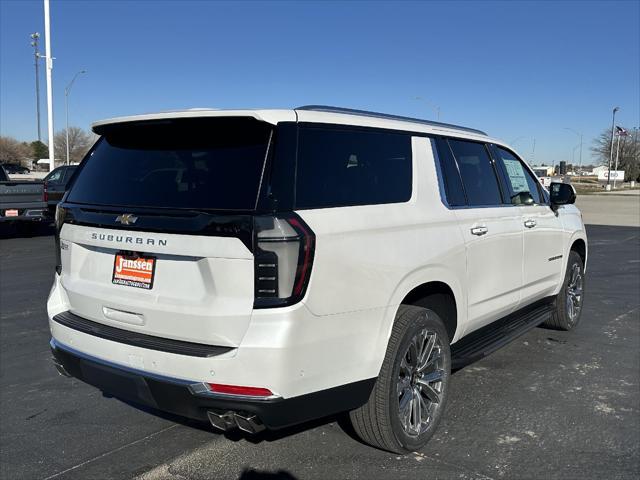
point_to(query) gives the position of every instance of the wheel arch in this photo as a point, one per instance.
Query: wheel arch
(580, 247)
(439, 297)
(417, 285)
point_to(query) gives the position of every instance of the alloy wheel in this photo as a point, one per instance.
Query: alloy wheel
(574, 293)
(420, 382)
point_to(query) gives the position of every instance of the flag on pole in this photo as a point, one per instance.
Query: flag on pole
(621, 132)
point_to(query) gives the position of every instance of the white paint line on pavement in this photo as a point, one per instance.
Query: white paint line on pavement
(111, 451)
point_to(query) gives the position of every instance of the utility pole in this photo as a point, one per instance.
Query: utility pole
(36, 54)
(616, 167)
(613, 126)
(49, 68)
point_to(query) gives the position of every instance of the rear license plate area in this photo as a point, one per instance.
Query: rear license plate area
(134, 270)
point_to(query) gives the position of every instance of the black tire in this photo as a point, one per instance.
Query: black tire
(378, 421)
(561, 318)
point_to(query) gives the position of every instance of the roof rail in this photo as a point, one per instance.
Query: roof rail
(365, 113)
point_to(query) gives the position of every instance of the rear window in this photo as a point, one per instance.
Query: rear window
(3, 175)
(341, 167)
(214, 163)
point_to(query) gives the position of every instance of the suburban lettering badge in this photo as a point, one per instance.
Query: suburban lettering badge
(134, 271)
(128, 239)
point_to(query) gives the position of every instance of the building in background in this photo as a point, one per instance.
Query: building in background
(597, 171)
(543, 170)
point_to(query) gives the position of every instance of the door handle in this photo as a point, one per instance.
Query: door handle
(479, 231)
(530, 223)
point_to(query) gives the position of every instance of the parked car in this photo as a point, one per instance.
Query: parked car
(261, 268)
(21, 201)
(56, 184)
(12, 169)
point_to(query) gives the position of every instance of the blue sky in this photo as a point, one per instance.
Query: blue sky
(518, 70)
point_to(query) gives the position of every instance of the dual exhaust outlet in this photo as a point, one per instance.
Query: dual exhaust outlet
(249, 423)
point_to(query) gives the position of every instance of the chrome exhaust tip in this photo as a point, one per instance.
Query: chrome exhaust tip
(60, 368)
(221, 421)
(249, 423)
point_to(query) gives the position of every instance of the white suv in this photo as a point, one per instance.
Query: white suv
(261, 268)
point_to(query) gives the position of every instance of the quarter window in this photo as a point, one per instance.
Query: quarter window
(478, 175)
(344, 167)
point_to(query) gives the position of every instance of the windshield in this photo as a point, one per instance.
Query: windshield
(202, 163)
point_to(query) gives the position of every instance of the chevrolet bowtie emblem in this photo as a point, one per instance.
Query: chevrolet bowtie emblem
(127, 219)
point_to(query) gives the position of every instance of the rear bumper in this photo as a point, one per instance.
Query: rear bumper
(185, 398)
(26, 215)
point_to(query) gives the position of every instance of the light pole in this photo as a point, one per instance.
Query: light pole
(573, 153)
(432, 105)
(580, 135)
(48, 70)
(613, 126)
(67, 90)
(533, 151)
(34, 43)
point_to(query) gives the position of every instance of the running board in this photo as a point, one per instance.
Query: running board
(496, 335)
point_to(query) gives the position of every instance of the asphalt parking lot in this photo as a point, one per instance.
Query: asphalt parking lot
(549, 405)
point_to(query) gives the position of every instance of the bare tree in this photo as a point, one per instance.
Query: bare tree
(79, 144)
(13, 151)
(628, 156)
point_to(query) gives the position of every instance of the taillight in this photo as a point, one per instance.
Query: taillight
(45, 193)
(283, 256)
(61, 213)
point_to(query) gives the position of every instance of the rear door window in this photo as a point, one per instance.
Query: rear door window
(341, 167)
(477, 172)
(203, 163)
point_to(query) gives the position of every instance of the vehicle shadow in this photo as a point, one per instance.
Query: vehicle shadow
(236, 435)
(251, 474)
(26, 230)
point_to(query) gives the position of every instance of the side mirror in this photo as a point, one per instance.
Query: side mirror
(562, 194)
(522, 198)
